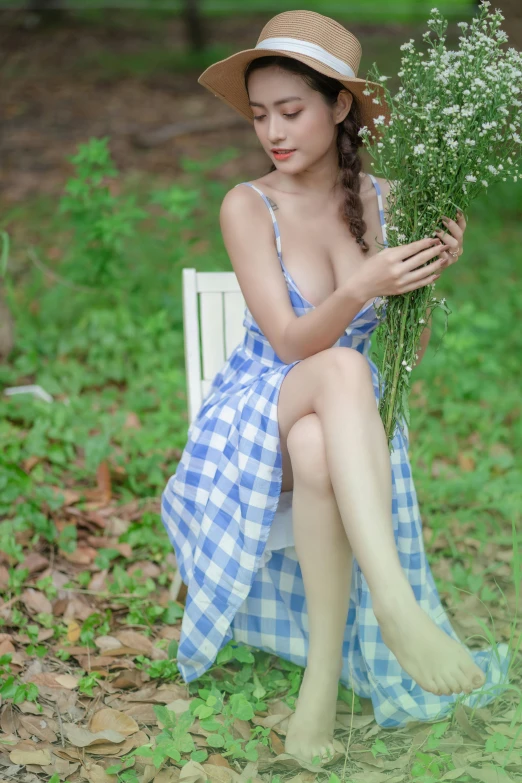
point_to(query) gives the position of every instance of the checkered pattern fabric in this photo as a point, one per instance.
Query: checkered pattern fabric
(218, 508)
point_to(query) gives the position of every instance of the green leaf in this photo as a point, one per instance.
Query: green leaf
(216, 741)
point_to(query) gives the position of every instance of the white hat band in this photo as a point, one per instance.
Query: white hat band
(298, 46)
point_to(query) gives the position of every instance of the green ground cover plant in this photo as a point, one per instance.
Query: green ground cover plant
(86, 565)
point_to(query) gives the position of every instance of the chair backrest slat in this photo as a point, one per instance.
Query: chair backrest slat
(221, 315)
(212, 332)
(234, 314)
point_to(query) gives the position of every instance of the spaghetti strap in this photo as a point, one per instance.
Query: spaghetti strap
(276, 227)
(274, 219)
(381, 210)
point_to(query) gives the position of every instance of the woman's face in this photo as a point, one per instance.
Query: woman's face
(305, 123)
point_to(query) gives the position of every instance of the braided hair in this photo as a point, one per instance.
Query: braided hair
(348, 139)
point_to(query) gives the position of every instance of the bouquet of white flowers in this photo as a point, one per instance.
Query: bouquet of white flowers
(454, 130)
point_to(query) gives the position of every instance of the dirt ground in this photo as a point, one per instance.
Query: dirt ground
(57, 92)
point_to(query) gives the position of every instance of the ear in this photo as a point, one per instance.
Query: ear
(343, 106)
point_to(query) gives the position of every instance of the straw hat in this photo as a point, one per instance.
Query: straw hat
(314, 39)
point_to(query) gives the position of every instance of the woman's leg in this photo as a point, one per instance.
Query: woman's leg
(325, 558)
(337, 385)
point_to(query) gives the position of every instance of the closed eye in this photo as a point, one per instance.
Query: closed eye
(284, 115)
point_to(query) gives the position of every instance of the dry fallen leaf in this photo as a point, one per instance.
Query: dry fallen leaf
(107, 643)
(73, 631)
(83, 738)
(42, 757)
(136, 640)
(96, 774)
(44, 679)
(108, 718)
(36, 601)
(489, 774)
(130, 679)
(170, 775)
(67, 681)
(39, 727)
(143, 712)
(465, 725)
(115, 750)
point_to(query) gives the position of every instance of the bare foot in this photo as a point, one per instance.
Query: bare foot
(311, 727)
(433, 659)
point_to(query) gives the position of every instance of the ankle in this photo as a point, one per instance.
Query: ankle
(391, 600)
(321, 671)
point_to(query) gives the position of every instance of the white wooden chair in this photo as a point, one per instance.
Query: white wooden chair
(211, 332)
(222, 307)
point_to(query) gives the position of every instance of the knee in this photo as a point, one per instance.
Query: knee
(346, 365)
(306, 447)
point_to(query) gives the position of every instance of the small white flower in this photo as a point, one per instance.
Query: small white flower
(404, 362)
(367, 92)
(408, 368)
(471, 178)
(379, 120)
(421, 321)
(419, 149)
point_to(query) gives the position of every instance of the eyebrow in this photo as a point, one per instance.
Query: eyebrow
(277, 103)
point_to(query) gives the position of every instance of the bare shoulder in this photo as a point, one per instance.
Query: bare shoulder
(248, 235)
(237, 198)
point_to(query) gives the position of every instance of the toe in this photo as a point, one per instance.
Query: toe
(433, 687)
(444, 689)
(473, 678)
(453, 683)
(326, 753)
(479, 678)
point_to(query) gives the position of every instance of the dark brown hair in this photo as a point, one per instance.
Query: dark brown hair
(348, 139)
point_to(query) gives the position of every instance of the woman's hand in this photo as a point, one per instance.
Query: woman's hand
(454, 238)
(397, 270)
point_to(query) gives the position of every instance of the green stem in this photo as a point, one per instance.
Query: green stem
(396, 370)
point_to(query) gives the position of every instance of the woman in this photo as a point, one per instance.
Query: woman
(295, 410)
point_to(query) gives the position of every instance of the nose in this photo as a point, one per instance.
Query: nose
(275, 132)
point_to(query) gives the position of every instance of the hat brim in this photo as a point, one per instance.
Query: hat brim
(225, 79)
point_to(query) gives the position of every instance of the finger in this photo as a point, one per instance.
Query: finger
(420, 258)
(434, 267)
(419, 284)
(405, 251)
(461, 220)
(453, 243)
(453, 227)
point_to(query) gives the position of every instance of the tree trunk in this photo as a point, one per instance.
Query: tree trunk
(45, 12)
(194, 25)
(6, 327)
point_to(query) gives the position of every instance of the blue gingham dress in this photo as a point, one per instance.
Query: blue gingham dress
(218, 508)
